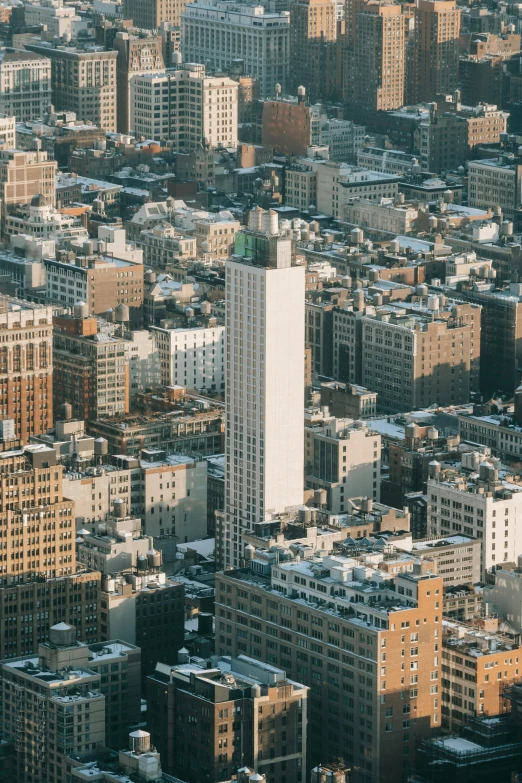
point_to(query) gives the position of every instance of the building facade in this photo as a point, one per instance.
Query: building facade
(264, 380)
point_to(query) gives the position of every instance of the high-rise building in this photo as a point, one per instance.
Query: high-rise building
(365, 641)
(83, 80)
(185, 106)
(26, 366)
(137, 54)
(313, 48)
(25, 85)
(217, 32)
(208, 722)
(437, 30)
(376, 78)
(150, 14)
(264, 381)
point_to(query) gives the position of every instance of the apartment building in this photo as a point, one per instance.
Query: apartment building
(437, 30)
(370, 653)
(343, 457)
(137, 54)
(244, 712)
(24, 175)
(410, 355)
(376, 80)
(42, 694)
(83, 80)
(217, 32)
(186, 106)
(474, 501)
(264, 348)
(92, 366)
(98, 282)
(477, 666)
(194, 356)
(25, 85)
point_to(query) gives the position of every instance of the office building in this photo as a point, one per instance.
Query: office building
(193, 356)
(217, 32)
(40, 220)
(185, 106)
(343, 457)
(437, 30)
(495, 181)
(369, 651)
(376, 76)
(25, 85)
(24, 175)
(264, 382)
(137, 54)
(476, 502)
(244, 712)
(83, 80)
(26, 367)
(395, 352)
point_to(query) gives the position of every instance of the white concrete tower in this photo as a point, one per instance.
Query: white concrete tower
(265, 299)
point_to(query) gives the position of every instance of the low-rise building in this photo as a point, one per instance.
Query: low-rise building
(185, 431)
(457, 557)
(347, 400)
(343, 457)
(477, 666)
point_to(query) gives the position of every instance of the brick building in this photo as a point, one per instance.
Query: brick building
(26, 366)
(207, 722)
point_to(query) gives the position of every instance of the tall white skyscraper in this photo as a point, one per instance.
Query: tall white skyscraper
(265, 300)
